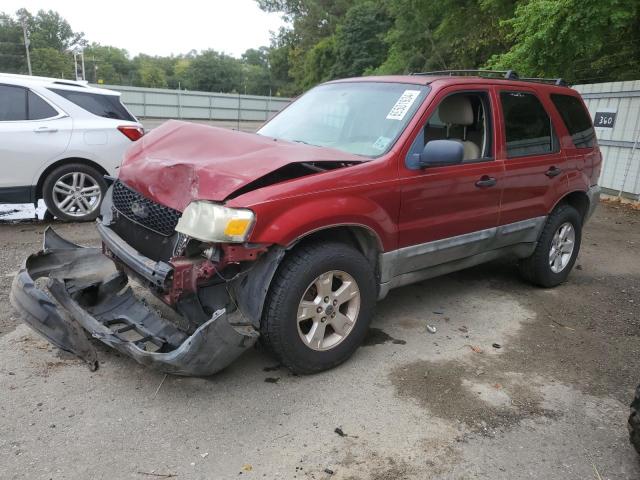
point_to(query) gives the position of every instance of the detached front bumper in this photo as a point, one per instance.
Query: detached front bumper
(92, 298)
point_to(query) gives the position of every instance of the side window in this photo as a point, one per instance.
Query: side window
(38, 108)
(107, 106)
(461, 117)
(576, 119)
(13, 103)
(527, 125)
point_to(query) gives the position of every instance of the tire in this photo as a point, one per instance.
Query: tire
(537, 269)
(63, 198)
(305, 275)
(634, 421)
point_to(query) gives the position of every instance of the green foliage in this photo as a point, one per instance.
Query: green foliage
(212, 71)
(12, 54)
(359, 41)
(50, 62)
(107, 65)
(580, 40)
(151, 75)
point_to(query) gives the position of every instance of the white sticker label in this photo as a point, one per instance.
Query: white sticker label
(402, 106)
(381, 143)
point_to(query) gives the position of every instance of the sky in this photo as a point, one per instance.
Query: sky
(161, 27)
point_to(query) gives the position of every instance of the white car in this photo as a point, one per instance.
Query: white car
(58, 139)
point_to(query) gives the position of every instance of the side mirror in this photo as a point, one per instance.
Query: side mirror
(438, 153)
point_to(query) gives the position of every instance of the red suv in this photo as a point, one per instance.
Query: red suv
(292, 234)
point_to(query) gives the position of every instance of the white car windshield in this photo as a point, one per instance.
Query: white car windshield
(362, 118)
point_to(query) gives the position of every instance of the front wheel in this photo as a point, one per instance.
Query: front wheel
(319, 307)
(74, 192)
(557, 249)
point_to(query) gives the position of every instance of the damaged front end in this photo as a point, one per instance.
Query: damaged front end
(86, 291)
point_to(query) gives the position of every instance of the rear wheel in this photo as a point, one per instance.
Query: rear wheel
(74, 192)
(319, 307)
(557, 249)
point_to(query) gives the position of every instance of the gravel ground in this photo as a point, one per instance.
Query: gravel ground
(550, 402)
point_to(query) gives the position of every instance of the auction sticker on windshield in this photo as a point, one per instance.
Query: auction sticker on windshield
(402, 106)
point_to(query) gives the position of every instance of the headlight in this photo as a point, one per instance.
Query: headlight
(211, 222)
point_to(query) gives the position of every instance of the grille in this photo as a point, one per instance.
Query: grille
(147, 213)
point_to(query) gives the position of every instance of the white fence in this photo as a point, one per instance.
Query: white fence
(619, 145)
(164, 103)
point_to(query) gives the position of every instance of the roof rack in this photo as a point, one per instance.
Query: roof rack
(504, 74)
(551, 81)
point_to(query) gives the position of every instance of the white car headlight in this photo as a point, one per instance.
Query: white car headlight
(211, 222)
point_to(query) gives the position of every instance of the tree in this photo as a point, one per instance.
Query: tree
(105, 64)
(214, 72)
(151, 75)
(52, 63)
(580, 40)
(359, 41)
(12, 52)
(48, 29)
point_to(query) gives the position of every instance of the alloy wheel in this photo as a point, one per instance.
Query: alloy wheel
(328, 310)
(77, 194)
(562, 246)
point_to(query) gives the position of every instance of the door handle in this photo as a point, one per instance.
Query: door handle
(486, 181)
(45, 130)
(553, 172)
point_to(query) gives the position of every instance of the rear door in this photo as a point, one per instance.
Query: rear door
(535, 166)
(579, 144)
(32, 133)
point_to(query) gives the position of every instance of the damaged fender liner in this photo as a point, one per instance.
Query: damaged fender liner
(95, 298)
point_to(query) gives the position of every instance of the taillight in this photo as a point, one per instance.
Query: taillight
(132, 133)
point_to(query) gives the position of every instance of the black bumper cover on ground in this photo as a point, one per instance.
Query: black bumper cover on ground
(91, 295)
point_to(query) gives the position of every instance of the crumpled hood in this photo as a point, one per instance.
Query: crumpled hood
(179, 162)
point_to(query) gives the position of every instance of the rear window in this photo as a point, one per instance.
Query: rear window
(576, 119)
(527, 125)
(107, 106)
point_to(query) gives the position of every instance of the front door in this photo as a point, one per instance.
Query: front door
(451, 212)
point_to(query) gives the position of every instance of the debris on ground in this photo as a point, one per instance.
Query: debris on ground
(475, 349)
(272, 379)
(328, 471)
(271, 369)
(204, 455)
(464, 329)
(431, 329)
(247, 467)
(339, 431)
(496, 345)
(161, 475)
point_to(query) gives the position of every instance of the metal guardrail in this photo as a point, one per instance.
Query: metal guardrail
(165, 103)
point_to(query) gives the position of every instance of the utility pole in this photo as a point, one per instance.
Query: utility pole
(26, 44)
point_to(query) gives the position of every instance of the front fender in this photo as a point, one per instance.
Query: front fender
(283, 222)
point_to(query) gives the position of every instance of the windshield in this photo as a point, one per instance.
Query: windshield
(363, 118)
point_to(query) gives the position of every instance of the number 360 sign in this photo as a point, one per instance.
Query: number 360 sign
(605, 118)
